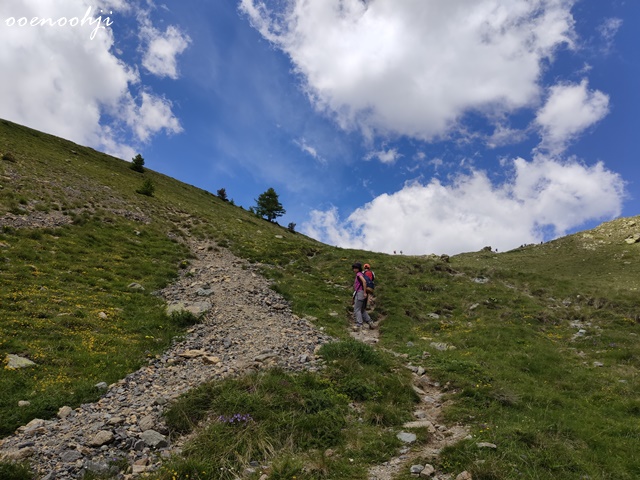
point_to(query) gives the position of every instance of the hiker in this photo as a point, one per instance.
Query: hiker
(360, 314)
(370, 277)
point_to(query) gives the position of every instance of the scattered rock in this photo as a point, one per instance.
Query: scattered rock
(15, 362)
(135, 286)
(154, 439)
(101, 438)
(147, 423)
(443, 347)
(464, 476)
(428, 471)
(34, 426)
(17, 455)
(100, 468)
(64, 412)
(487, 445)
(193, 353)
(421, 424)
(70, 456)
(406, 437)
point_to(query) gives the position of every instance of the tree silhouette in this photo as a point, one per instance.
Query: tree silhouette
(137, 163)
(269, 206)
(222, 195)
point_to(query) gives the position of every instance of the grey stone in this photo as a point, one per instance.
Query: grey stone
(70, 456)
(97, 467)
(427, 471)
(33, 426)
(154, 439)
(441, 346)
(421, 424)
(18, 454)
(416, 469)
(487, 445)
(147, 423)
(15, 362)
(64, 412)
(101, 438)
(406, 437)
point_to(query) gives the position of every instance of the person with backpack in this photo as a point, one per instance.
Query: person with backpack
(370, 278)
(360, 314)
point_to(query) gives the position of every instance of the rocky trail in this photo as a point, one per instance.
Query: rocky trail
(246, 326)
(427, 415)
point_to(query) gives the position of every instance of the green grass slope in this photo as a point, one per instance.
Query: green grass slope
(537, 348)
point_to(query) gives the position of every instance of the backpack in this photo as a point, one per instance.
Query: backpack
(370, 284)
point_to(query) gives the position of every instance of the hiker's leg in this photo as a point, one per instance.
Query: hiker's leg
(365, 315)
(357, 308)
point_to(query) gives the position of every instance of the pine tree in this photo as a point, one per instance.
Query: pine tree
(269, 206)
(137, 163)
(222, 195)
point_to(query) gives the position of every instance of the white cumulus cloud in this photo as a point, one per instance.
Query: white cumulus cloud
(569, 110)
(162, 49)
(472, 212)
(151, 116)
(385, 156)
(66, 78)
(414, 67)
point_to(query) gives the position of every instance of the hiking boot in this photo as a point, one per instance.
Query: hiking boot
(373, 326)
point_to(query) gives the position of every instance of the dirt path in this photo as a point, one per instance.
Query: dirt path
(428, 414)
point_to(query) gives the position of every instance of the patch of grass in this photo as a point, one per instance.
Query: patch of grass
(15, 471)
(66, 305)
(288, 422)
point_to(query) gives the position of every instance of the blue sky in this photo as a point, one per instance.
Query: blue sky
(410, 125)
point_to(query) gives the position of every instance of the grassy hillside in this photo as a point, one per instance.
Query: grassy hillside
(537, 347)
